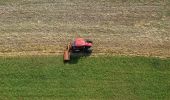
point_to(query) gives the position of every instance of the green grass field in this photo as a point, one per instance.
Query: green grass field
(91, 78)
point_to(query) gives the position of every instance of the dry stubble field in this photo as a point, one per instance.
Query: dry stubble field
(130, 27)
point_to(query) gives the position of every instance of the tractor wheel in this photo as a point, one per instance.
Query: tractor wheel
(89, 50)
(89, 41)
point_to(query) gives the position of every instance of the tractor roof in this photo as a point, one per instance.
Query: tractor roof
(79, 42)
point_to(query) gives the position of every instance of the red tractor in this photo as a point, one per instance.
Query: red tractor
(79, 45)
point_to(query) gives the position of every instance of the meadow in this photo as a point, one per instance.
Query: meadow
(34, 34)
(84, 78)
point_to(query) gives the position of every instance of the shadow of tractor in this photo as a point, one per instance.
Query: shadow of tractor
(74, 57)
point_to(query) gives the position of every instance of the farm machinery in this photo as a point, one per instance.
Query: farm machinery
(78, 46)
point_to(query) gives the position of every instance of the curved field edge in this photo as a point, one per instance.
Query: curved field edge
(98, 78)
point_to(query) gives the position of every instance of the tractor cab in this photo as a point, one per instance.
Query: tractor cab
(81, 44)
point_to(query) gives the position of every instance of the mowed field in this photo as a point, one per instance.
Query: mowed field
(91, 78)
(40, 29)
(129, 27)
